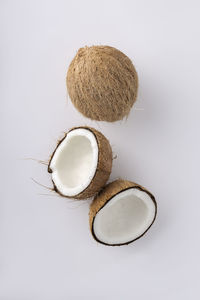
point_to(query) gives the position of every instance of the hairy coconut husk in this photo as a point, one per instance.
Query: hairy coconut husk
(102, 83)
(106, 194)
(103, 169)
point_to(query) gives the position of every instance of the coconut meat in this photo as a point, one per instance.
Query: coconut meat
(74, 162)
(125, 217)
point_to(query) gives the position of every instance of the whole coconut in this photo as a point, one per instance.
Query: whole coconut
(102, 83)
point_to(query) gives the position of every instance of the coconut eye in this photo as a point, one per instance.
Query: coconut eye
(81, 163)
(122, 213)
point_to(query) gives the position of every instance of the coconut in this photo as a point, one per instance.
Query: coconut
(102, 83)
(81, 163)
(121, 213)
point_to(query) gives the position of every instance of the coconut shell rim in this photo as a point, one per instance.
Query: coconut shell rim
(59, 142)
(129, 242)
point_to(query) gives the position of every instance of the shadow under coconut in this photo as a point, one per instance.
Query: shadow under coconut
(151, 111)
(122, 169)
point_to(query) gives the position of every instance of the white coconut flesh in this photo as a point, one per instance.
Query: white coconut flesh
(125, 217)
(74, 162)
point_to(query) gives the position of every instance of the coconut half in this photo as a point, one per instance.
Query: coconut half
(81, 163)
(121, 213)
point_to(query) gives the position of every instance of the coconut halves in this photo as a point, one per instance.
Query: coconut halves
(81, 163)
(102, 83)
(121, 213)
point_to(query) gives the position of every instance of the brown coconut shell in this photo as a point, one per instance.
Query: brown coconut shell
(102, 83)
(106, 194)
(103, 169)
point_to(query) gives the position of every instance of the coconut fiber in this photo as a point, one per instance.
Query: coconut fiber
(107, 193)
(102, 83)
(104, 165)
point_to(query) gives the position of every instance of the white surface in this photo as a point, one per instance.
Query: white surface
(46, 249)
(125, 217)
(74, 162)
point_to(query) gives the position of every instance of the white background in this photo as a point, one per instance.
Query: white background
(46, 250)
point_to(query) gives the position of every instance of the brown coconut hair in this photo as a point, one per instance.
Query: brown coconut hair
(102, 83)
(104, 165)
(106, 194)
